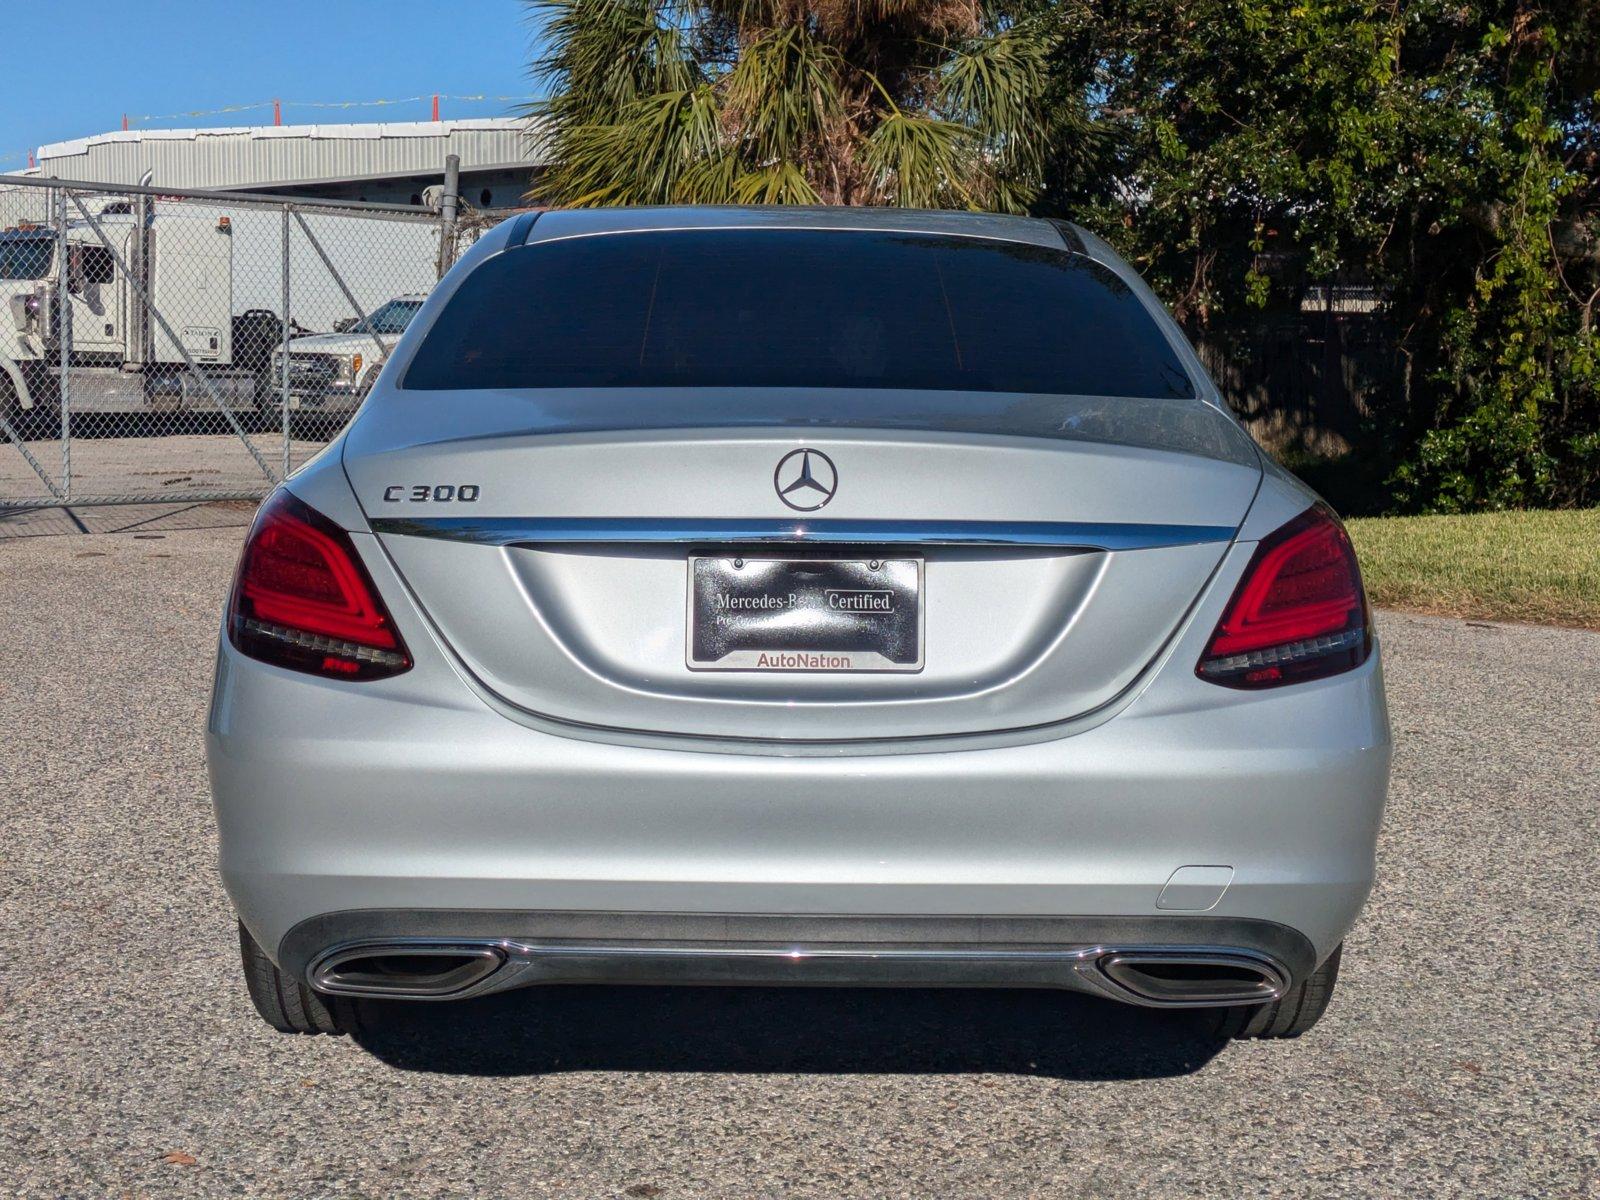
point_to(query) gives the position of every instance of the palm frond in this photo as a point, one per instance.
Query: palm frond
(785, 92)
(922, 162)
(608, 53)
(629, 101)
(994, 84)
(641, 157)
(725, 180)
(776, 183)
(710, 180)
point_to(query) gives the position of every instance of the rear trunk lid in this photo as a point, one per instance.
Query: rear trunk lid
(553, 554)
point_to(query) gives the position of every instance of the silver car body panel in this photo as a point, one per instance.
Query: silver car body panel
(550, 753)
(1016, 636)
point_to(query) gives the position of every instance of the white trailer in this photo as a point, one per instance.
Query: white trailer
(378, 255)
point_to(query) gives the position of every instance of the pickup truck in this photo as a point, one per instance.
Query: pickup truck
(329, 373)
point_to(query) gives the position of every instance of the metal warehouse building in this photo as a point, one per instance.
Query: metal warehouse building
(386, 162)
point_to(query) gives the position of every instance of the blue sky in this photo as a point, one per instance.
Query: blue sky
(157, 57)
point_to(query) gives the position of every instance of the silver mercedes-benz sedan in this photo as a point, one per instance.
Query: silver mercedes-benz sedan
(784, 596)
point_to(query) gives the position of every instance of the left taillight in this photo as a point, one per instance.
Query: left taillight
(1300, 612)
(302, 599)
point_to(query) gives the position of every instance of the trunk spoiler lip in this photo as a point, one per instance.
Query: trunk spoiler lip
(536, 531)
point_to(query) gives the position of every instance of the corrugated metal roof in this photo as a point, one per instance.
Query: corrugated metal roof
(273, 155)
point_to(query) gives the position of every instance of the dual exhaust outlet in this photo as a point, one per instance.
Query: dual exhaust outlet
(1155, 976)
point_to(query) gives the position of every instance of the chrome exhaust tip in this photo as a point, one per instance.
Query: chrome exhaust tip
(1177, 978)
(414, 971)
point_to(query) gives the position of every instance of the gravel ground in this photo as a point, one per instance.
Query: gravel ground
(151, 456)
(1459, 1059)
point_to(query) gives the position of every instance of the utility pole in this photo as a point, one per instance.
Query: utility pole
(447, 212)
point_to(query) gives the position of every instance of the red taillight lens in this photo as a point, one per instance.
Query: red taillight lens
(304, 601)
(1299, 613)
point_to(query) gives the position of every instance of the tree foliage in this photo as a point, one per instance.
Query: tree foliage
(923, 103)
(1445, 151)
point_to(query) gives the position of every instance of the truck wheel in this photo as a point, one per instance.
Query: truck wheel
(1299, 1009)
(269, 403)
(286, 1004)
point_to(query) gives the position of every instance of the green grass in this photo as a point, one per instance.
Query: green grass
(1510, 566)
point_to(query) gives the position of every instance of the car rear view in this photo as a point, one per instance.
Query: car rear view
(796, 596)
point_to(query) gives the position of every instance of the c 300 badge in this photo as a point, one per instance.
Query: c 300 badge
(438, 493)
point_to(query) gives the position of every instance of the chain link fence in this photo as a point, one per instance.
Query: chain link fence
(187, 346)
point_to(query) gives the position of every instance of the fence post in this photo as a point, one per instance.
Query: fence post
(64, 340)
(447, 212)
(283, 382)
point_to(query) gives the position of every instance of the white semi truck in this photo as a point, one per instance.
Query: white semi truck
(122, 356)
(182, 310)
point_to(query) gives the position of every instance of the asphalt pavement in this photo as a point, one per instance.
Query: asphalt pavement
(1460, 1057)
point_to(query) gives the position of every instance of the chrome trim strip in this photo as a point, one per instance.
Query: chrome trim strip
(800, 953)
(535, 531)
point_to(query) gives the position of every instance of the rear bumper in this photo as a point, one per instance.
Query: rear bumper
(409, 809)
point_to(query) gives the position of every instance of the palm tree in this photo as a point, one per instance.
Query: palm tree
(919, 103)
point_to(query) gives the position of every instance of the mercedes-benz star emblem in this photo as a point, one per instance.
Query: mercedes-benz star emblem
(805, 479)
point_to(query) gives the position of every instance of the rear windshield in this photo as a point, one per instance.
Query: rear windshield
(797, 308)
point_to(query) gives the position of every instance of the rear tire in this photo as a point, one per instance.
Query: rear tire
(1297, 1011)
(286, 1004)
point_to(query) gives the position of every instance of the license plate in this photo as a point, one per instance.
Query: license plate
(805, 614)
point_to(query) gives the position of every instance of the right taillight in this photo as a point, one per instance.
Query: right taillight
(303, 600)
(1299, 613)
